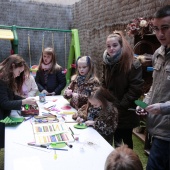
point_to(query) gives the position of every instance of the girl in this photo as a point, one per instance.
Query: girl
(10, 68)
(83, 82)
(122, 76)
(100, 112)
(49, 78)
(29, 87)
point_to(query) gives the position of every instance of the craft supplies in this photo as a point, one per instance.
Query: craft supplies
(140, 103)
(52, 132)
(57, 149)
(42, 97)
(27, 110)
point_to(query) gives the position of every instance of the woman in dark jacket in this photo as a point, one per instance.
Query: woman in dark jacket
(10, 68)
(122, 76)
(50, 78)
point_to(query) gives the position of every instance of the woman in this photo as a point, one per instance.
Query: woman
(10, 68)
(122, 76)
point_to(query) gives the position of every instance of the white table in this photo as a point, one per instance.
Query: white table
(89, 153)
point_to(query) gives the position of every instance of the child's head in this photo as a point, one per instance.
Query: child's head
(48, 58)
(123, 158)
(100, 98)
(85, 66)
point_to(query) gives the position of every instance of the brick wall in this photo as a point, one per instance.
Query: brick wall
(38, 15)
(95, 20)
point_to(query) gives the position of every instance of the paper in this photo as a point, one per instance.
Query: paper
(51, 132)
(27, 163)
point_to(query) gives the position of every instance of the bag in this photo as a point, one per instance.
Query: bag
(29, 110)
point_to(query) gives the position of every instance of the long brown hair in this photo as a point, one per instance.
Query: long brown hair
(21, 78)
(104, 96)
(55, 66)
(6, 70)
(127, 55)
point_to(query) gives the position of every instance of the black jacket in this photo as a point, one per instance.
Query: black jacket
(55, 81)
(126, 88)
(8, 101)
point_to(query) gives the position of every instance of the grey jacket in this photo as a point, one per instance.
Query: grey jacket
(159, 125)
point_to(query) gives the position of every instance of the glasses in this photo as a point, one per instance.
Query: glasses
(162, 28)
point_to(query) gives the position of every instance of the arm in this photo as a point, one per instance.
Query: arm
(107, 122)
(134, 88)
(61, 82)
(32, 86)
(38, 81)
(9, 101)
(82, 113)
(70, 87)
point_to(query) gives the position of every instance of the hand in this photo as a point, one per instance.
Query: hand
(50, 94)
(90, 123)
(29, 100)
(45, 92)
(79, 120)
(154, 108)
(140, 111)
(68, 92)
(75, 95)
(74, 116)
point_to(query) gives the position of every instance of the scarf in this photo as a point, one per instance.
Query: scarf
(111, 60)
(46, 66)
(80, 80)
(93, 113)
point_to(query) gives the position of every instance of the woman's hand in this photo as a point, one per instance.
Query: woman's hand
(29, 100)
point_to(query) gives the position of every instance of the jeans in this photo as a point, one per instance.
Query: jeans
(159, 157)
(123, 135)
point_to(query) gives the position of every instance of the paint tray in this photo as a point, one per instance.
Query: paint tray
(29, 110)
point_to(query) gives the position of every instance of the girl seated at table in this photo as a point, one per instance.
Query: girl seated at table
(50, 78)
(29, 87)
(100, 112)
(84, 80)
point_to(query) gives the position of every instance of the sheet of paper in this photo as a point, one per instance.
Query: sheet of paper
(27, 163)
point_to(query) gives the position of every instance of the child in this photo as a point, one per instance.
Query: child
(29, 87)
(49, 77)
(84, 81)
(122, 76)
(100, 112)
(123, 158)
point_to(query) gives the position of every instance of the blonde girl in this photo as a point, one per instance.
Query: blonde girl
(81, 83)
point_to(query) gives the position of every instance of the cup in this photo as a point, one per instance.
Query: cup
(42, 97)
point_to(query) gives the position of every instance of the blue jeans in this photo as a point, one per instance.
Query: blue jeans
(159, 157)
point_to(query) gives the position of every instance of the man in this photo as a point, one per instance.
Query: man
(158, 97)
